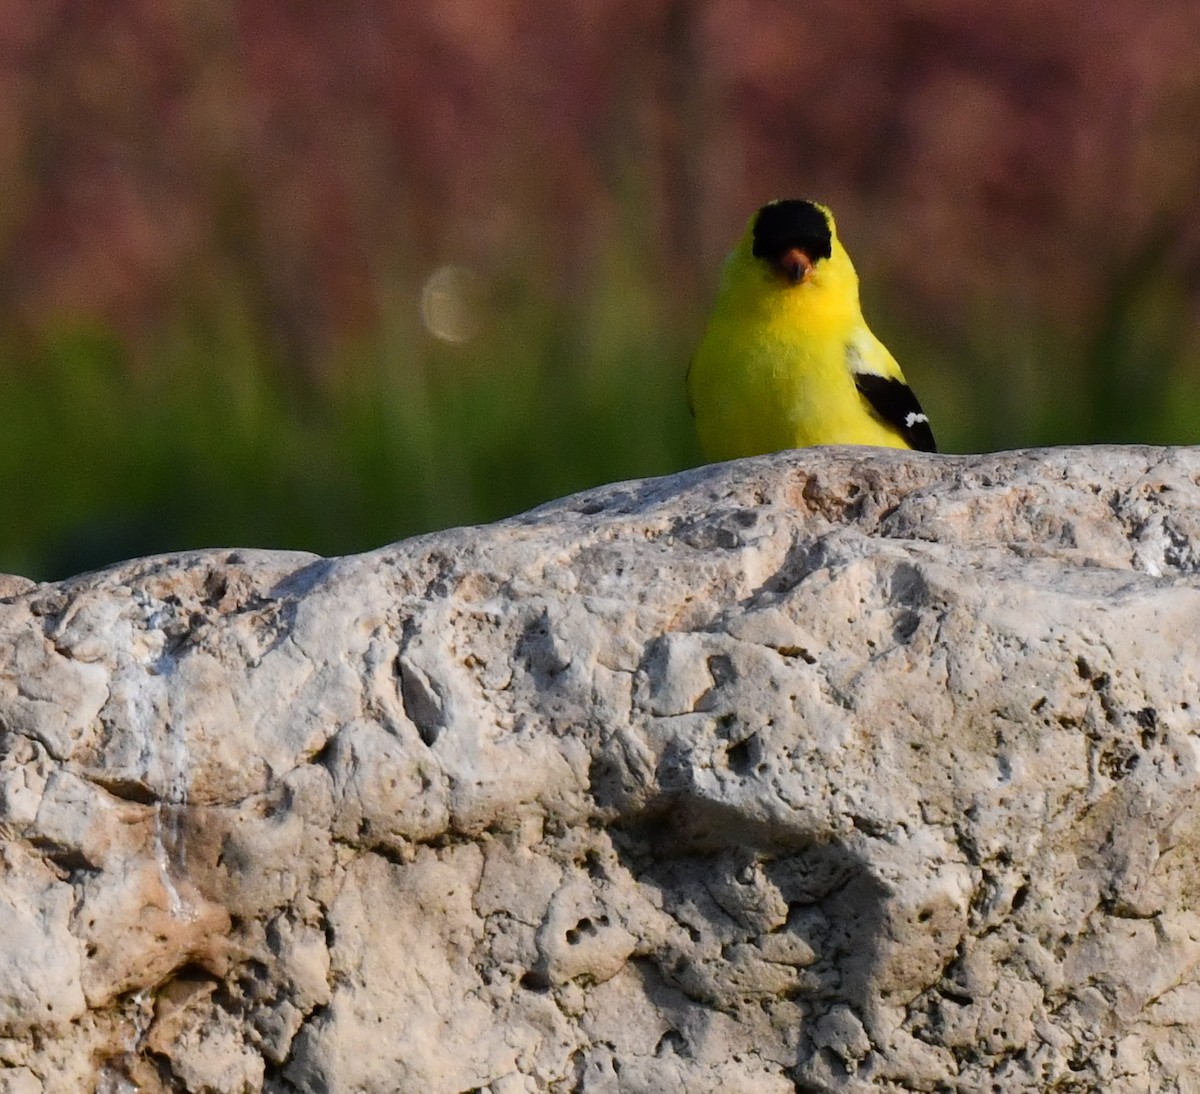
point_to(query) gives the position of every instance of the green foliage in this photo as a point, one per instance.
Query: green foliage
(218, 446)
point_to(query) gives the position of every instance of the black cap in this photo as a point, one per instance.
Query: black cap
(783, 225)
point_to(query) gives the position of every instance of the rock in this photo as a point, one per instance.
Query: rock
(838, 770)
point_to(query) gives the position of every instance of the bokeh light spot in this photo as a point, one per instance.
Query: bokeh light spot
(450, 303)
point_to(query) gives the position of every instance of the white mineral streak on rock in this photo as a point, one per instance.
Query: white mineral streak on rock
(839, 770)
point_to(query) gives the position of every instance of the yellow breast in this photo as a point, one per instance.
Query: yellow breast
(771, 373)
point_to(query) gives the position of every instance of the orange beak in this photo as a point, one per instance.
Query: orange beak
(796, 266)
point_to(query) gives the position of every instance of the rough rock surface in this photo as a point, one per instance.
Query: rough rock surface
(840, 770)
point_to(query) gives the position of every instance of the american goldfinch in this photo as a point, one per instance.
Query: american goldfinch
(787, 359)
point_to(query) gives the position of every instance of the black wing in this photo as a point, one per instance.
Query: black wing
(894, 403)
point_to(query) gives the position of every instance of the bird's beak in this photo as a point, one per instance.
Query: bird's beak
(796, 266)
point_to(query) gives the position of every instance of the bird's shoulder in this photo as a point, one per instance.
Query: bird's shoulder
(867, 354)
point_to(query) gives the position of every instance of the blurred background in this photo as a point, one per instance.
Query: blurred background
(321, 276)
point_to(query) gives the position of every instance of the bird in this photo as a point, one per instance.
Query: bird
(787, 359)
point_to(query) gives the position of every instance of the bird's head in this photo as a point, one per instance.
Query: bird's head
(794, 243)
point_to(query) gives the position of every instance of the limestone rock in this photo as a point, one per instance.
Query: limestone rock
(839, 770)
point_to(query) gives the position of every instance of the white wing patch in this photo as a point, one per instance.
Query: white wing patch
(855, 361)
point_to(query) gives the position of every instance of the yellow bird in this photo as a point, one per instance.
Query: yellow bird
(787, 359)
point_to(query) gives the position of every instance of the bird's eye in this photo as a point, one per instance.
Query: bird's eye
(795, 265)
